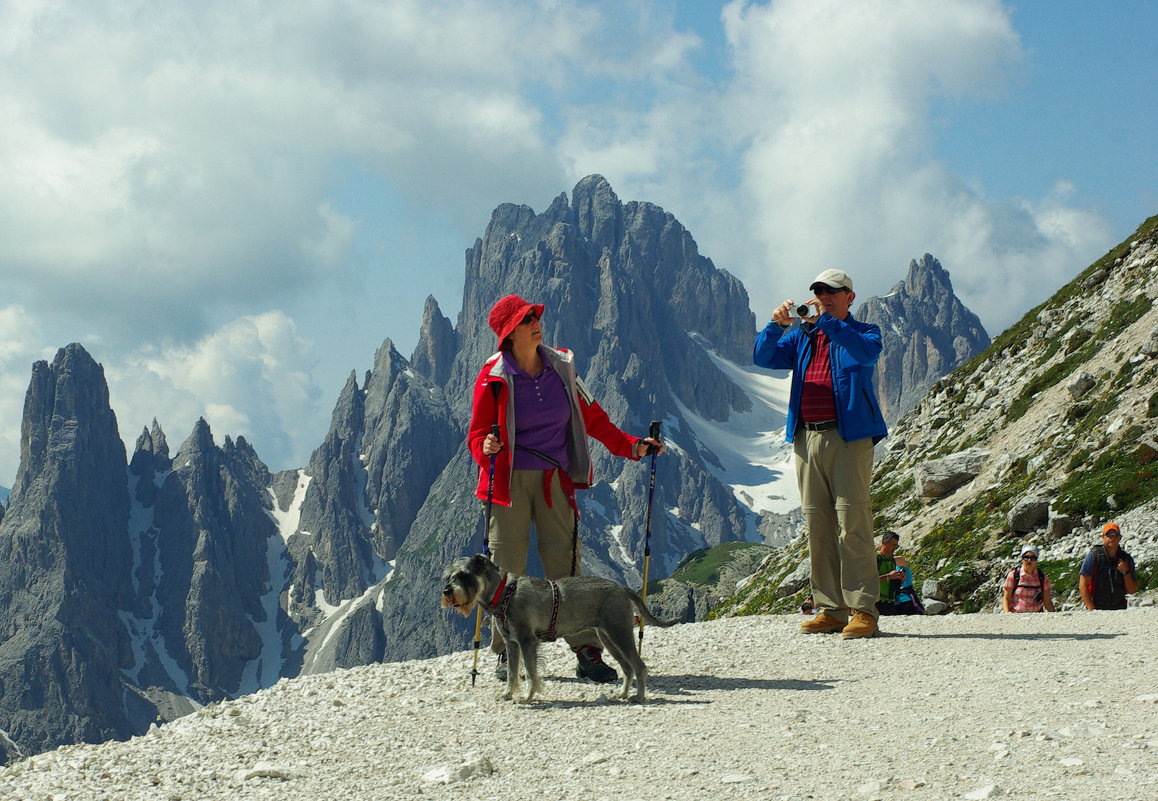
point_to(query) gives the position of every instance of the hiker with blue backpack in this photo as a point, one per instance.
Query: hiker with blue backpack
(898, 596)
(1026, 588)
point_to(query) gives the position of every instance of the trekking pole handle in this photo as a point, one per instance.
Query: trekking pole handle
(653, 433)
(490, 497)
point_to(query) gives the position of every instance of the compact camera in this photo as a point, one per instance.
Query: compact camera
(804, 310)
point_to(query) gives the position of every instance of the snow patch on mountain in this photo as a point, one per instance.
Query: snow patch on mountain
(289, 520)
(144, 638)
(750, 454)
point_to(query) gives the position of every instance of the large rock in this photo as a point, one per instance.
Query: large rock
(1028, 514)
(434, 354)
(938, 478)
(1080, 385)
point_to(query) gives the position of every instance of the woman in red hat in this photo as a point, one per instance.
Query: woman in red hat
(544, 414)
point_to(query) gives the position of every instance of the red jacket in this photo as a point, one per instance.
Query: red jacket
(587, 419)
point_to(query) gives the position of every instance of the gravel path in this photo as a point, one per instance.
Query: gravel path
(974, 706)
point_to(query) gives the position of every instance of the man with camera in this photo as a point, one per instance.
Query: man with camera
(834, 420)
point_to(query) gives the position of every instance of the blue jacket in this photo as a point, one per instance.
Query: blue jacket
(853, 350)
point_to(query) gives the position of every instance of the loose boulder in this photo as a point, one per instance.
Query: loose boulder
(1028, 514)
(1082, 384)
(939, 478)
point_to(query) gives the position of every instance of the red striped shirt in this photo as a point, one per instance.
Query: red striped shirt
(817, 399)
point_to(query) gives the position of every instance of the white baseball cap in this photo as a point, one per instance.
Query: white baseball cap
(837, 279)
(1029, 549)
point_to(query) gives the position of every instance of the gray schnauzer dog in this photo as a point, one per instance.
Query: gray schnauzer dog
(527, 610)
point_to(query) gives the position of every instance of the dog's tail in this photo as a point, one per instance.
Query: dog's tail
(646, 614)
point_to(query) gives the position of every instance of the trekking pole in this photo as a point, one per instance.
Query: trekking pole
(652, 432)
(487, 552)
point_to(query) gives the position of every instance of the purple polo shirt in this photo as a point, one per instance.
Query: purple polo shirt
(542, 415)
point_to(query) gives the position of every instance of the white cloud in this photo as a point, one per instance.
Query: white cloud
(827, 119)
(180, 156)
(171, 171)
(835, 99)
(252, 377)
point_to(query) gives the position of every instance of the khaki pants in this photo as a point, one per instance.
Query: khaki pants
(510, 536)
(834, 477)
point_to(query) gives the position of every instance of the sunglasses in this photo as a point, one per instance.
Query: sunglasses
(825, 289)
(1028, 557)
(530, 318)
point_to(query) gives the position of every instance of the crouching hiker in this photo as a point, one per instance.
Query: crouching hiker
(898, 596)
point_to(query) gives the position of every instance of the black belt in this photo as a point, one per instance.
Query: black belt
(823, 425)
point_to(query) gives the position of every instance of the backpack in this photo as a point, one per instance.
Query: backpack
(1040, 597)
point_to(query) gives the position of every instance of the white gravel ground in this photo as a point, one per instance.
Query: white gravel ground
(975, 706)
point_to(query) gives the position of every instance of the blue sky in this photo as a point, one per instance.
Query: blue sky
(233, 205)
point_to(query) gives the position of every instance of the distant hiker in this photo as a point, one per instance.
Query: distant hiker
(808, 607)
(898, 597)
(833, 421)
(544, 414)
(1107, 572)
(1026, 589)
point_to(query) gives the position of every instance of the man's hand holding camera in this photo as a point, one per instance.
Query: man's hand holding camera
(789, 310)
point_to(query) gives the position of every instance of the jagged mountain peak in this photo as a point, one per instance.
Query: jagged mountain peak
(198, 443)
(927, 332)
(926, 277)
(433, 356)
(150, 455)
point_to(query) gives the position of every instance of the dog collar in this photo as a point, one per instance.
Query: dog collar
(499, 592)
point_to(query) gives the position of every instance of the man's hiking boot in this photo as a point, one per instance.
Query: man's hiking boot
(823, 623)
(501, 668)
(861, 625)
(591, 666)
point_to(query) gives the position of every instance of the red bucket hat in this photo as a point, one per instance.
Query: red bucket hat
(506, 315)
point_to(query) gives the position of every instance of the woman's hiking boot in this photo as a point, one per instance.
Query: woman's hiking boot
(591, 665)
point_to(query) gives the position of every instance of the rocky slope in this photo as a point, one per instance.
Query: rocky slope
(962, 706)
(1045, 436)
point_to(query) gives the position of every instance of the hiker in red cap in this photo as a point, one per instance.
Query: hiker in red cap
(544, 414)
